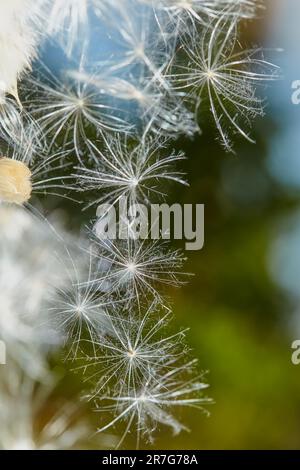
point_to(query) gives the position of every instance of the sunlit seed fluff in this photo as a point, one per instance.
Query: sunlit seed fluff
(23, 400)
(19, 20)
(15, 181)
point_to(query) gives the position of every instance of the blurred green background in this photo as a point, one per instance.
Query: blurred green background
(242, 305)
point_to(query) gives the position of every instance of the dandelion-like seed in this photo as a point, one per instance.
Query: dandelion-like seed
(68, 111)
(137, 267)
(154, 105)
(226, 76)
(128, 350)
(145, 409)
(142, 41)
(132, 171)
(76, 311)
(79, 311)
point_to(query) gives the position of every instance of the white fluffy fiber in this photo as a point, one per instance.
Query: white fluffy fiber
(19, 26)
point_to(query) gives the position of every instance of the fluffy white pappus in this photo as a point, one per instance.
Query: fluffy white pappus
(29, 272)
(183, 12)
(68, 110)
(145, 410)
(220, 71)
(69, 20)
(12, 121)
(80, 312)
(153, 105)
(143, 40)
(123, 168)
(138, 268)
(19, 33)
(131, 346)
(23, 401)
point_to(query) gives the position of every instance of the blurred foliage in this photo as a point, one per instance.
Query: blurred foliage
(237, 315)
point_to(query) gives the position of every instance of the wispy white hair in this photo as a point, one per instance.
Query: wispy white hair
(19, 32)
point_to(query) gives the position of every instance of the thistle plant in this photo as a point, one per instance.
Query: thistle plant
(101, 129)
